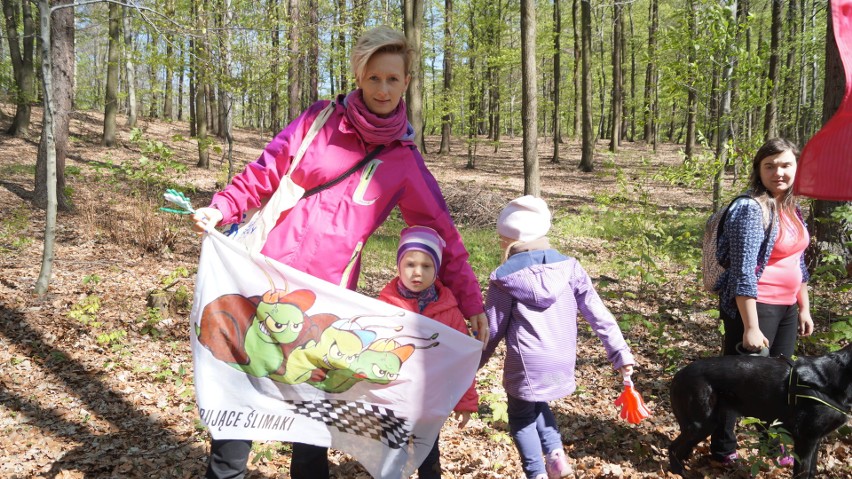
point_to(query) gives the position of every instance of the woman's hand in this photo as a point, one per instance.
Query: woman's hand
(462, 417)
(205, 216)
(806, 323)
(479, 328)
(626, 370)
(754, 340)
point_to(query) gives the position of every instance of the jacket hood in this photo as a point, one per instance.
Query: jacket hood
(535, 278)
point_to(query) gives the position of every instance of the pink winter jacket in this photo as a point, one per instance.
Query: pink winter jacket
(324, 234)
(444, 310)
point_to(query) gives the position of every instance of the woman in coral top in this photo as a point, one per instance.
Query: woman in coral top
(764, 292)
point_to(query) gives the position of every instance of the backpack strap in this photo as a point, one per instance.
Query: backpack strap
(721, 226)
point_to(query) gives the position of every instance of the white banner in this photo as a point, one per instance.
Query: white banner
(281, 355)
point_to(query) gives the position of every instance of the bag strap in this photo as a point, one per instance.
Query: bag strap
(724, 217)
(345, 174)
(317, 125)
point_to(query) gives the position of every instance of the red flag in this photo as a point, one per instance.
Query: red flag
(825, 166)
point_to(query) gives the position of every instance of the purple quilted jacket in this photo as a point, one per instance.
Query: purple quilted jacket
(533, 300)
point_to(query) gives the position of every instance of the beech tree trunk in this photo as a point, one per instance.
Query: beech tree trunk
(557, 75)
(21, 53)
(587, 162)
(617, 78)
(111, 99)
(130, 71)
(294, 91)
(413, 20)
(770, 120)
(529, 101)
(62, 87)
(449, 49)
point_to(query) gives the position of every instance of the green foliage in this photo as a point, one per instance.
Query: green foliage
(645, 237)
(13, 230)
(156, 168)
(666, 340)
(764, 444)
(173, 277)
(151, 319)
(86, 311)
(166, 372)
(113, 339)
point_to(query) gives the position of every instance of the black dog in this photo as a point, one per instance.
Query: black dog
(811, 398)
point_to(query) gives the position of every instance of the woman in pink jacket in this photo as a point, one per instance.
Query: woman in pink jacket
(324, 234)
(417, 288)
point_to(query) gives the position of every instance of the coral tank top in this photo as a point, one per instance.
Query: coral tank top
(782, 278)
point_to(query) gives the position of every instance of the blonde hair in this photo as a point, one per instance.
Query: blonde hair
(381, 39)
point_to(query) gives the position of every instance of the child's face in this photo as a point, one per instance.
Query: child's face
(416, 271)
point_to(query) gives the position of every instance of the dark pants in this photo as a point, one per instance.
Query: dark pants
(780, 325)
(431, 466)
(228, 459)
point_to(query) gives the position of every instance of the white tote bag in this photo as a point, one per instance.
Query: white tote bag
(255, 228)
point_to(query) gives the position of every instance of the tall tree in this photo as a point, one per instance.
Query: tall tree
(473, 89)
(449, 52)
(557, 75)
(202, 62)
(168, 101)
(130, 70)
(617, 77)
(49, 141)
(413, 26)
(494, 35)
(273, 10)
(723, 121)
(227, 94)
(587, 155)
(651, 73)
(578, 111)
(770, 120)
(193, 79)
(111, 100)
(313, 66)
(529, 101)
(21, 53)
(294, 93)
(691, 95)
(62, 76)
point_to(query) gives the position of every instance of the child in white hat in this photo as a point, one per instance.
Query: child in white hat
(417, 288)
(533, 300)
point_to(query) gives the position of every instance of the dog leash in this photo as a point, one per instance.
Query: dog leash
(796, 390)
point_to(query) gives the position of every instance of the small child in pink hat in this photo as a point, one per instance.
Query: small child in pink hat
(417, 288)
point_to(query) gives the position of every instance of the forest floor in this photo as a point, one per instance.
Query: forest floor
(105, 390)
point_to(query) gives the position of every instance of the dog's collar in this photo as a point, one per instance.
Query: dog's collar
(797, 390)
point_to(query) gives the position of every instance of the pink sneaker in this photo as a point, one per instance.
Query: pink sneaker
(556, 464)
(786, 461)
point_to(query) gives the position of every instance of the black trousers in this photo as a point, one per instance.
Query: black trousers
(780, 325)
(228, 459)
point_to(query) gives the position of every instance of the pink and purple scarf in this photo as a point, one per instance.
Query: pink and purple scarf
(374, 129)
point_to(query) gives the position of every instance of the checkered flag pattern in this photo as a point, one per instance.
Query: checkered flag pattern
(361, 419)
